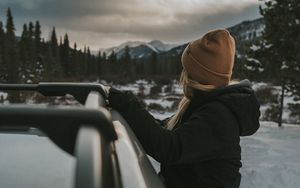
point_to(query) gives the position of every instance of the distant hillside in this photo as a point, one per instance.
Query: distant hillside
(243, 32)
(248, 30)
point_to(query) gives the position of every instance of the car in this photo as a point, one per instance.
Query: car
(107, 153)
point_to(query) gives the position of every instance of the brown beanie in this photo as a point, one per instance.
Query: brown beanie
(209, 60)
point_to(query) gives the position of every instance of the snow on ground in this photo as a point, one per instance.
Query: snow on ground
(162, 116)
(177, 89)
(270, 157)
(162, 102)
(139, 85)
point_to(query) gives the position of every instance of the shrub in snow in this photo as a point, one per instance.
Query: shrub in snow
(164, 81)
(266, 95)
(172, 98)
(156, 107)
(168, 88)
(175, 105)
(141, 92)
(155, 90)
(295, 113)
(1, 99)
(271, 113)
(142, 102)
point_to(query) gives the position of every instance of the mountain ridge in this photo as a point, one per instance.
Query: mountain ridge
(154, 45)
(243, 31)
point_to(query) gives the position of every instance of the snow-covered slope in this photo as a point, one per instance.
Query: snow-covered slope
(116, 49)
(160, 46)
(271, 157)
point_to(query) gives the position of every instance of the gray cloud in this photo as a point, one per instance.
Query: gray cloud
(102, 23)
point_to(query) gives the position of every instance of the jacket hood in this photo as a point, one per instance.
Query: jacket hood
(241, 101)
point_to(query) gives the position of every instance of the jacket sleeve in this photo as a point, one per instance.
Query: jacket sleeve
(192, 141)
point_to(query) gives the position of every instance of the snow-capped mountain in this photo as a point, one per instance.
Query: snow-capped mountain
(160, 46)
(139, 49)
(244, 31)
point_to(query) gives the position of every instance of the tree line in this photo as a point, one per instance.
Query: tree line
(30, 59)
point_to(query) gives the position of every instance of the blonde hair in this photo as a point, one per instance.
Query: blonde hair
(188, 86)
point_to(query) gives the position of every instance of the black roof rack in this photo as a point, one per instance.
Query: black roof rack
(79, 91)
(59, 123)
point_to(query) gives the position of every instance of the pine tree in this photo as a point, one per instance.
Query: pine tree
(3, 65)
(74, 59)
(125, 64)
(53, 43)
(23, 55)
(10, 47)
(112, 67)
(99, 64)
(64, 55)
(11, 56)
(130, 66)
(153, 63)
(37, 38)
(39, 64)
(89, 62)
(53, 69)
(104, 64)
(281, 45)
(31, 45)
(81, 64)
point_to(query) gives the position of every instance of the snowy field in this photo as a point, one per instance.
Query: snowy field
(271, 157)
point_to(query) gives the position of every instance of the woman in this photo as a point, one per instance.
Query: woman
(199, 145)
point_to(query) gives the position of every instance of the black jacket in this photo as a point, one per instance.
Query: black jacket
(203, 150)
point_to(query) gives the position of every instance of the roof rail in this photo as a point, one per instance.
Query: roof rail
(79, 91)
(59, 123)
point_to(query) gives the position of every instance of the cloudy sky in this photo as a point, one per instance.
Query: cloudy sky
(106, 23)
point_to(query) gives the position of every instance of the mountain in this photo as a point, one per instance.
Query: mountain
(248, 30)
(242, 32)
(160, 46)
(139, 49)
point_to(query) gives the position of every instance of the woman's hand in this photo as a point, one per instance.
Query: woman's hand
(105, 91)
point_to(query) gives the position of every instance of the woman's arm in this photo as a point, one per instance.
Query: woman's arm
(166, 146)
